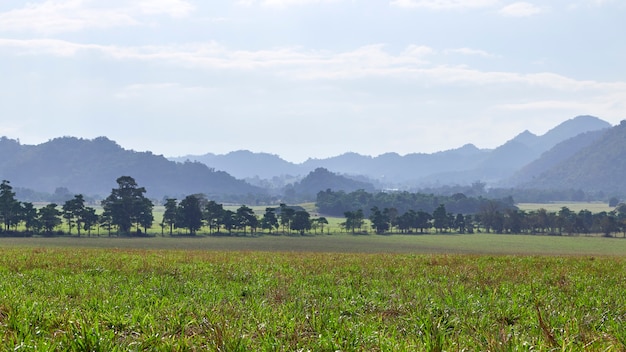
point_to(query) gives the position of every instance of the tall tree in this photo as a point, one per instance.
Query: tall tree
(9, 206)
(214, 215)
(127, 205)
(245, 218)
(286, 216)
(145, 217)
(170, 214)
(406, 221)
(29, 215)
(422, 220)
(321, 221)
(49, 217)
(190, 214)
(89, 219)
(301, 221)
(73, 212)
(354, 220)
(269, 220)
(459, 223)
(105, 220)
(229, 220)
(380, 220)
(440, 218)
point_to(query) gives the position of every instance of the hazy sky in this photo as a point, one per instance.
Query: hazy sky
(307, 78)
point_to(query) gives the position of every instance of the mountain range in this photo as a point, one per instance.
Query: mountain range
(91, 167)
(584, 153)
(464, 165)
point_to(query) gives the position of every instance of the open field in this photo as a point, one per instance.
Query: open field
(594, 207)
(76, 299)
(490, 244)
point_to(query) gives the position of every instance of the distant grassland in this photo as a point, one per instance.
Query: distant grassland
(57, 299)
(594, 207)
(487, 244)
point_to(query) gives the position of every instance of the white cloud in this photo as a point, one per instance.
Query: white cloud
(51, 16)
(282, 3)
(295, 63)
(520, 9)
(603, 103)
(470, 52)
(53, 47)
(443, 4)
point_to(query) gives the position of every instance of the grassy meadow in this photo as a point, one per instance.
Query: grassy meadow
(88, 299)
(594, 207)
(319, 293)
(339, 292)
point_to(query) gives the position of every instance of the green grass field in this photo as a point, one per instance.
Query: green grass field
(488, 244)
(594, 207)
(337, 292)
(77, 299)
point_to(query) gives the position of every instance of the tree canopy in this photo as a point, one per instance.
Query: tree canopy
(128, 206)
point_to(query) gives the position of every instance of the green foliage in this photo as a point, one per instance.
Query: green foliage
(301, 221)
(379, 220)
(269, 221)
(119, 300)
(49, 217)
(170, 215)
(190, 214)
(127, 205)
(9, 206)
(321, 178)
(337, 203)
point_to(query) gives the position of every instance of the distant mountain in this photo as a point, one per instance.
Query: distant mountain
(599, 166)
(553, 157)
(394, 169)
(463, 165)
(569, 129)
(92, 166)
(321, 179)
(246, 164)
(526, 147)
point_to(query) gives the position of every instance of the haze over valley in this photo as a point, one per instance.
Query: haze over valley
(582, 154)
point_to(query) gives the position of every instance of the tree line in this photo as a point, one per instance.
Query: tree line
(336, 203)
(127, 211)
(491, 217)
(195, 212)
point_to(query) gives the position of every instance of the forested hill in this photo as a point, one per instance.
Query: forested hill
(600, 166)
(320, 180)
(554, 156)
(92, 166)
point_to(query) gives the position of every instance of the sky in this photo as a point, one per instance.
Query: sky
(307, 78)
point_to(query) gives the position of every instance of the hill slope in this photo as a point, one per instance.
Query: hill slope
(600, 166)
(527, 147)
(92, 166)
(321, 179)
(554, 156)
(246, 164)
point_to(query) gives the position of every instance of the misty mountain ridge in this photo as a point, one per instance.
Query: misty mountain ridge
(462, 165)
(91, 167)
(558, 159)
(599, 164)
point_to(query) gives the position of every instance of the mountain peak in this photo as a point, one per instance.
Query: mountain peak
(527, 138)
(575, 126)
